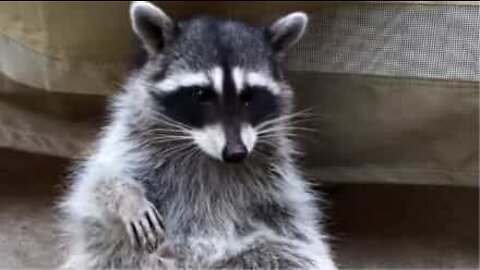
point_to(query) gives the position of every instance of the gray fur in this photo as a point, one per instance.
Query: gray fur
(255, 214)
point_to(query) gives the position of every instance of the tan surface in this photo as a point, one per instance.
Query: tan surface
(390, 130)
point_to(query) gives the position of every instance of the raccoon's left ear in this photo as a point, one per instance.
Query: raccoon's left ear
(286, 31)
(152, 26)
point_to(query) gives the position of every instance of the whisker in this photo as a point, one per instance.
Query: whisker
(188, 154)
(169, 121)
(292, 124)
(302, 113)
(181, 154)
(276, 129)
(177, 126)
(261, 153)
(172, 121)
(166, 136)
(159, 130)
(166, 154)
(175, 147)
(172, 151)
(269, 143)
(160, 141)
(283, 135)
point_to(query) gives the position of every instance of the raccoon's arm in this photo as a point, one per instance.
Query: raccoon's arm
(106, 195)
(126, 200)
(105, 190)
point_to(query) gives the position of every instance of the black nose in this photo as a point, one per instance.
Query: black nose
(234, 152)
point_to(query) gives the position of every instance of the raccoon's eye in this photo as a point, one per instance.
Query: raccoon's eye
(203, 95)
(246, 97)
(251, 93)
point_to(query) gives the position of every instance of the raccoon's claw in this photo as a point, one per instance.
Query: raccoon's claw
(146, 229)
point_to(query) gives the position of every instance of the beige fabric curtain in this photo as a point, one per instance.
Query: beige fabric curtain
(394, 86)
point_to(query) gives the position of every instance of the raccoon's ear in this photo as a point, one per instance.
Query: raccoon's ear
(154, 28)
(286, 31)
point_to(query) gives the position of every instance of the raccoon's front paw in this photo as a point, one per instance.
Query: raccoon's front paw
(144, 225)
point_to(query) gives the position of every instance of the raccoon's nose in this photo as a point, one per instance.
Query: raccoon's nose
(234, 152)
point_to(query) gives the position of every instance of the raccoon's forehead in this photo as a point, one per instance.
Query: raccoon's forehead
(203, 43)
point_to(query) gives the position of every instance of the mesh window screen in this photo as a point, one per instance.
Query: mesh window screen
(428, 41)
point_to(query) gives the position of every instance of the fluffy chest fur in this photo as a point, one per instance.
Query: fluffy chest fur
(212, 211)
(198, 195)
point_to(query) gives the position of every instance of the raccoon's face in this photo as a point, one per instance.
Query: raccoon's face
(218, 80)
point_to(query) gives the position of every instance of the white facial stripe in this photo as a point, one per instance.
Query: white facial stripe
(211, 139)
(249, 136)
(216, 75)
(238, 76)
(259, 79)
(173, 82)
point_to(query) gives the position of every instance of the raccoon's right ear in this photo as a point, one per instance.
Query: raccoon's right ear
(154, 28)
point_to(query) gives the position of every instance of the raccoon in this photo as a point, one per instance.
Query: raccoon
(196, 167)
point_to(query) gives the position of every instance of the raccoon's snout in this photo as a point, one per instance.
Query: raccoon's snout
(235, 149)
(234, 152)
(226, 144)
